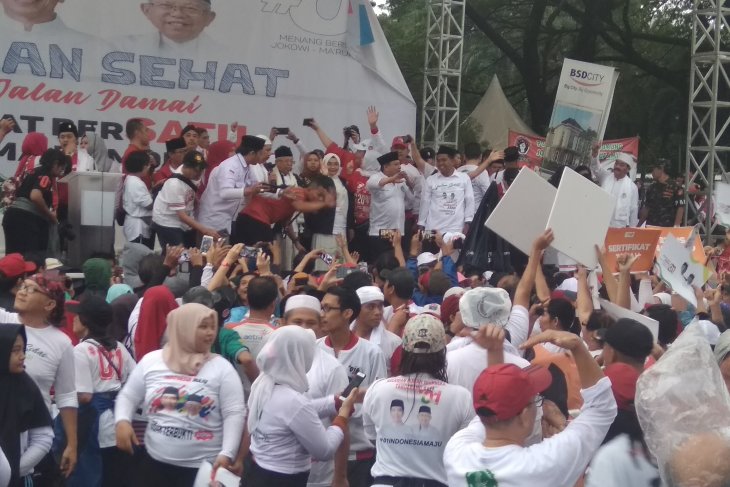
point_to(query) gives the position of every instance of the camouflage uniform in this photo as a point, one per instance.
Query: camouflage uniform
(662, 201)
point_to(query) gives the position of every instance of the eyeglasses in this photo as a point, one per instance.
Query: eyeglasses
(31, 290)
(327, 309)
(185, 9)
(538, 400)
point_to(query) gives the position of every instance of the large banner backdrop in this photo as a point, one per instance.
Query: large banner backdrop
(261, 63)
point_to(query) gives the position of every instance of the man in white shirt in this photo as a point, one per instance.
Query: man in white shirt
(137, 201)
(618, 183)
(369, 324)
(390, 193)
(447, 201)
(229, 184)
(476, 169)
(327, 380)
(491, 450)
(340, 306)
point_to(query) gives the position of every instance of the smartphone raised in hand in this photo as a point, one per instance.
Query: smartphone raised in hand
(206, 244)
(308, 122)
(354, 382)
(282, 130)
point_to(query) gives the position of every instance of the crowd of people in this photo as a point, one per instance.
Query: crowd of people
(325, 319)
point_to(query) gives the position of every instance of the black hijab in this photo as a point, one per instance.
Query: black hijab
(122, 308)
(21, 404)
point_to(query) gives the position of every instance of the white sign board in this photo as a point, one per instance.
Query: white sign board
(617, 312)
(509, 219)
(722, 203)
(580, 217)
(677, 268)
(223, 477)
(261, 63)
(582, 104)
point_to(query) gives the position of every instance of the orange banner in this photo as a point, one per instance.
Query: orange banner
(682, 234)
(637, 241)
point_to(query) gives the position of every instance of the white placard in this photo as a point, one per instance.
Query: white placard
(617, 312)
(511, 221)
(722, 203)
(222, 476)
(580, 217)
(97, 208)
(677, 268)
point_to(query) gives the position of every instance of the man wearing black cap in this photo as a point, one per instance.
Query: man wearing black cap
(176, 149)
(447, 201)
(68, 138)
(229, 184)
(283, 176)
(390, 191)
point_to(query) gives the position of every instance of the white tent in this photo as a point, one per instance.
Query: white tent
(494, 116)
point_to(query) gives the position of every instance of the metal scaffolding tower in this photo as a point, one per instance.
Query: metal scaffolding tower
(709, 103)
(442, 73)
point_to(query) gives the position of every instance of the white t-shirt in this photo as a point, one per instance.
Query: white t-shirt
(557, 461)
(137, 203)
(366, 357)
(290, 433)
(387, 204)
(411, 440)
(386, 340)
(343, 204)
(326, 378)
(446, 202)
(479, 184)
(252, 334)
(415, 177)
(619, 463)
(174, 196)
(464, 364)
(191, 418)
(95, 373)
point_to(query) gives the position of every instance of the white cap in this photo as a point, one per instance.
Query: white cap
(267, 141)
(431, 309)
(52, 264)
(626, 158)
(299, 301)
(426, 258)
(368, 294)
(570, 284)
(359, 147)
(664, 298)
(456, 290)
(485, 306)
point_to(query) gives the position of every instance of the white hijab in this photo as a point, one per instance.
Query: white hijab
(284, 360)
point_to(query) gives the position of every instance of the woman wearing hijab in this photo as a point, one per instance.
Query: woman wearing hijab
(217, 153)
(22, 408)
(121, 311)
(34, 145)
(193, 400)
(147, 333)
(312, 167)
(117, 290)
(97, 276)
(286, 432)
(99, 153)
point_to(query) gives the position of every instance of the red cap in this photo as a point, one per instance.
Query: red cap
(623, 384)
(13, 265)
(449, 306)
(505, 390)
(398, 143)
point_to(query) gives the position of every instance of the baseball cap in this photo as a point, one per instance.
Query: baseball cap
(13, 266)
(454, 291)
(93, 307)
(425, 258)
(424, 333)
(623, 384)
(502, 391)
(449, 306)
(53, 264)
(710, 331)
(398, 142)
(630, 338)
(484, 306)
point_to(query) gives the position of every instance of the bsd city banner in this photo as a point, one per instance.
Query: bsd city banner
(582, 104)
(261, 63)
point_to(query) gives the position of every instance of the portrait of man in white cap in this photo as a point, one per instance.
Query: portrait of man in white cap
(617, 181)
